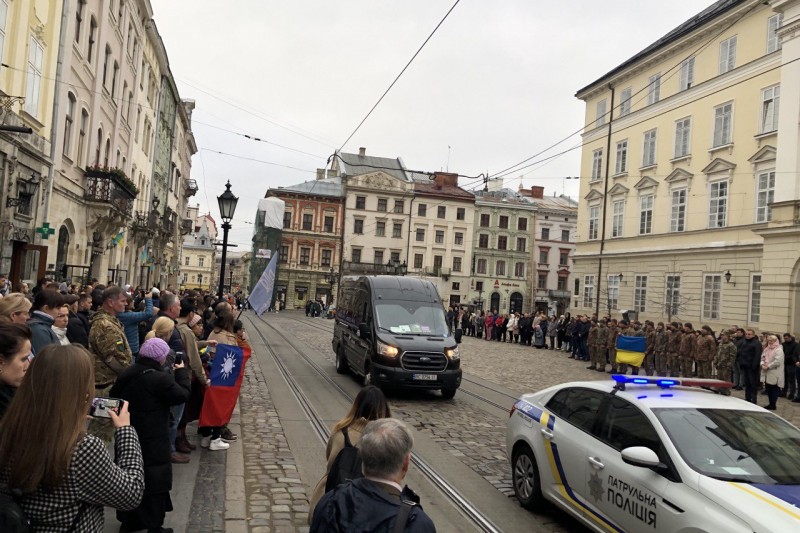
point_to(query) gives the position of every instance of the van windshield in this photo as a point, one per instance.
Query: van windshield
(412, 318)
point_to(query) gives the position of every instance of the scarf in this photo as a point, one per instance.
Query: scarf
(769, 353)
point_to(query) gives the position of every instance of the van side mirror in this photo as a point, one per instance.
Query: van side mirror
(363, 330)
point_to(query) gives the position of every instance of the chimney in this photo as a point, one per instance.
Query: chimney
(537, 191)
(445, 179)
(362, 152)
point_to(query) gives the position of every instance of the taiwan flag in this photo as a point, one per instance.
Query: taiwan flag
(630, 350)
(227, 372)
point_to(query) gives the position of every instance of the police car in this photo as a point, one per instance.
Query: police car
(641, 454)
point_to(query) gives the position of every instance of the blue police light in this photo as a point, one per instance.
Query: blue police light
(638, 380)
(667, 382)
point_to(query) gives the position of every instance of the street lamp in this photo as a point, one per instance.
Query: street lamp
(230, 276)
(227, 206)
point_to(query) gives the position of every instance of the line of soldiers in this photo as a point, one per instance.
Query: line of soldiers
(672, 350)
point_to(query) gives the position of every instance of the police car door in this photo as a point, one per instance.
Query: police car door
(635, 498)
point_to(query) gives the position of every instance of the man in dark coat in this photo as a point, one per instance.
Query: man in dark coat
(791, 355)
(79, 325)
(748, 355)
(378, 500)
(151, 392)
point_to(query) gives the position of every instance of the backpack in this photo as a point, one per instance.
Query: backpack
(346, 466)
(12, 517)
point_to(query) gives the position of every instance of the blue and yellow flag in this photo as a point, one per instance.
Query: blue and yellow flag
(630, 350)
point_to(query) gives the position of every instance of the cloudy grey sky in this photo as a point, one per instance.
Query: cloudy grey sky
(495, 84)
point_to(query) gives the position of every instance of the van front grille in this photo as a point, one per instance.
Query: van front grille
(425, 361)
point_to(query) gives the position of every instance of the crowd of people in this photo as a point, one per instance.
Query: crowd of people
(531, 329)
(64, 350)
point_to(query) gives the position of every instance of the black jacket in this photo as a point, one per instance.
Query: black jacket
(748, 354)
(78, 328)
(175, 341)
(6, 395)
(151, 392)
(791, 353)
(364, 505)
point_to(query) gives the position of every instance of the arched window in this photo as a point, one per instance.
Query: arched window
(106, 65)
(92, 39)
(69, 119)
(114, 79)
(107, 154)
(61, 251)
(79, 20)
(82, 137)
(99, 147)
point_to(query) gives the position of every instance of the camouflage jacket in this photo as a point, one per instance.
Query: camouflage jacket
(602, 336)
(108, 344)
(612, 338)
(650, 341)
(687, 345)
(661, 341)
(726, 355)
(674, 342)
(592, 340)
(705, 349)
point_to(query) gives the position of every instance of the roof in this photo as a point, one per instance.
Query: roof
(447, 191)
(714, 10)
(504, 196)
(555, 202)
(354, 164)
(323, 187)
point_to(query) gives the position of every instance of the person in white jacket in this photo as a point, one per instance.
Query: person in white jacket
(772, 370)
(513, 327)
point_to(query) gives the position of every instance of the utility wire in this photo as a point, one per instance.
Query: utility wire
(257, 139)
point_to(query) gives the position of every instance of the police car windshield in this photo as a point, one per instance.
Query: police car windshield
(411, 318)
(732, 445)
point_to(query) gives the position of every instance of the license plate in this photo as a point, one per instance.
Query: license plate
(424, 377)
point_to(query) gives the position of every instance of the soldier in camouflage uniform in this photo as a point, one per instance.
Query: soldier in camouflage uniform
(686, 351)
(628, 330)
(724, 360)
(674, 348)
(650, 347)
(592, 341)
(706, 348)
(660, 349)
(599, 353)
(611, 345)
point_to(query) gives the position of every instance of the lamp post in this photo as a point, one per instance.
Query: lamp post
(227, 206)
(230, 276)
(333, 277)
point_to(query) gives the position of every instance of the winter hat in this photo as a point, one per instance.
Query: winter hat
(155, 291)
(155, 349)
(195, 319)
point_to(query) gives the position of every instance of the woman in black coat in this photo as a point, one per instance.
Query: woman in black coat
(151, 392)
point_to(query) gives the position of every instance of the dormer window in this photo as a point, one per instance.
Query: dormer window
(203, 242)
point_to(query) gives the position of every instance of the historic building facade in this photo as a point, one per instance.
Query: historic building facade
(198, 253)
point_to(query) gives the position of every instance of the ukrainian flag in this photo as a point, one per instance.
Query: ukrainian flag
(630, 350)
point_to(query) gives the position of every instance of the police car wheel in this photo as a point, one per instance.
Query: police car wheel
(525, 479)
(341, 362)
(448, 393)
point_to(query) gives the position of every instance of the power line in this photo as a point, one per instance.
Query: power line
(256, 160)
(257, 139)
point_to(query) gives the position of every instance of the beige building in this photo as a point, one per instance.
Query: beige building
(199, 253)
(689, 174)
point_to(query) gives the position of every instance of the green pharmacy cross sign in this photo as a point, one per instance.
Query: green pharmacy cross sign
(45, 231)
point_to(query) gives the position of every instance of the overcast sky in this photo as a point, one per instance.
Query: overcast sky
(494, 86)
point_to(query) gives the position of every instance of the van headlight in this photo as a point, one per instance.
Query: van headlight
(387, 350)
(453, 353)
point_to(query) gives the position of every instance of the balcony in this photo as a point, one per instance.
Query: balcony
(168, 222)
(187, 225)
(110, 186)
(349, 268)
(559, 294)
(191, 188)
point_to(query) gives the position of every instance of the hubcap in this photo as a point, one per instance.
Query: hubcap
(524, 477)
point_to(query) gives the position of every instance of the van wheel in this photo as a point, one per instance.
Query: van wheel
(447, 394)
(525, 479)
(341, 362)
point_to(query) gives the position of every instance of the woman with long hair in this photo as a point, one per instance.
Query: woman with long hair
(15, 308)
(370, 404)
(15, 351)
(61, 476)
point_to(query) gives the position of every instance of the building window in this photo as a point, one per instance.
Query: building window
(613, 291)
(712, 289)
(755, 298)
(577, 288)
(485, 220)
(678, 213)
(361, 202)
(305, 255)
(398, 206)
(504, 221)
(394, 256)
(625, 102)
(565, 235)
(92, 39)
(765, 195)
(563, 258)
(114, 78)
(545, 234)
(441, 211)
(727, 55)
(325, 257)
(687, 74)
(621, 164)
(82, 137)
(483, 240)
(597, 164)
(201, 261)
(521, 244)
(422, 210)
(378, 259)
(500, 268)
(588, 291)
(646, 214)
(78, 18)
(34, 79)
(439, 237)
(519, 270)
(461, 213)
(200, 279)
(718, 205)
(437, 264)
(480, 266)
(561, 284)
(68, 120)
(773, 41)
(307, 221)
(541, 280)
(456, 286)
(653, 89)
(418, 261)
(640, 294)
(770, 101)
(649, 149)
(186, 261)
(355, 253)
(383, 204)
(723, 116)
(502, 242)
(397, 230)
(544, 256)
(420, 234)
(601, 113)
(287, 220)
(618, 209)
(594, 219)
(380, 228)
(673, 295)
(683, 131)
(327, 226)
(358, 226)
(456, 264)
(522, 224)
(458, 240)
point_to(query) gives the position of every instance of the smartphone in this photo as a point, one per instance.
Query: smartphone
(101, 406)
(178, 358)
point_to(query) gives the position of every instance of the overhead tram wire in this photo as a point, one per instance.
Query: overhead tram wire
(256, 139)
(512, 169)
(256, 160)
(398, 76)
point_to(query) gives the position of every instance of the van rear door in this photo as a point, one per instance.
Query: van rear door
(358, 347)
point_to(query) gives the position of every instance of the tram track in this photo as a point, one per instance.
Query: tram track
(480, 520)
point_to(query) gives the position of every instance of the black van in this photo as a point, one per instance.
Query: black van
(392, 330)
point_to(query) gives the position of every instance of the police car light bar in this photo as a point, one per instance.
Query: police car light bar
(666, 383)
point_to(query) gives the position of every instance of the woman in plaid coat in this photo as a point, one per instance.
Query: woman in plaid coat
(61, 476)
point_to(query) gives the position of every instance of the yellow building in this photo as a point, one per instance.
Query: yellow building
(680, 171)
